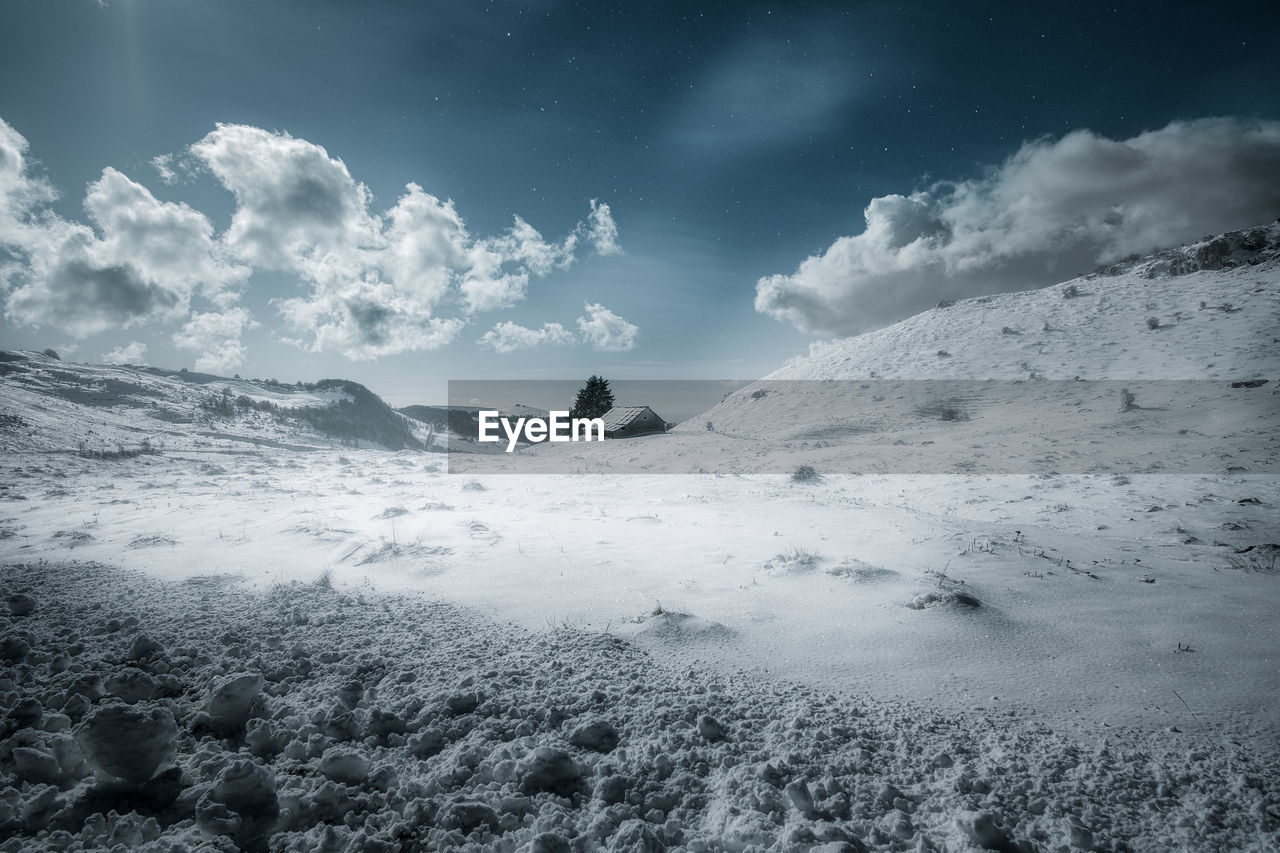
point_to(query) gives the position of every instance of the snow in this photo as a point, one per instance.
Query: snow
(704, 759)
(259, 636)
(1214, 324)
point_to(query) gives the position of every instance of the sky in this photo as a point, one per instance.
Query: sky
(406, 193)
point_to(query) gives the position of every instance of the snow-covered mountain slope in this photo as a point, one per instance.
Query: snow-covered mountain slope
(49, 404)
(1189, 333)
(1215, 306)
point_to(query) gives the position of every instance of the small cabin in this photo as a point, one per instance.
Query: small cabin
(628, 421)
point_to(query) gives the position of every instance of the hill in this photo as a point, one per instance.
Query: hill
(1205, 314)
(1215, 306)
(48, 404)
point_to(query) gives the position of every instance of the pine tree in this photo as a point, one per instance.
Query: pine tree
(594, 400)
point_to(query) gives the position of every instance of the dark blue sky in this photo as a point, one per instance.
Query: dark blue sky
(729, 140)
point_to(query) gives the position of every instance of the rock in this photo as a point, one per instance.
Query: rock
(797, 792)
(27, 713)
(21, 605)
(36, 765)
(467, 815)
(710, 728)
(636, 836)
(341, 726)
(1078, 834)
(344, 765)
(69, 755)
(56, 722)
(463, 703)
(981, 828)
(13, 649)
(142, 646)
(132, 685)
(39, 809)
(596, 735)
(88, 685)
(232, 701)
(887, 795)
(382, 723)
(350, 694)
(427, 742)
(242, 803)
(76, 706)
(264, 738)
(549, 769)
(612, 789)
(129, 742)
(547, 842)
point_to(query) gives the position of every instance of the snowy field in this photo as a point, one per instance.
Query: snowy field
(242, 634)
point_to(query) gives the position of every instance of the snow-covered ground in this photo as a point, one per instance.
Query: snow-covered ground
(359, 647)
(310, 718)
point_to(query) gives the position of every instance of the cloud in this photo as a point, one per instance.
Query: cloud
(163, 164)
(174, 169)
(364, 320)
(215, 336)
(293, 201)
(143, 259)
(133, 352)
(1053, 210)
(379, 283)
(605, 330)
(509, 337)
(601, 230)
(374, 283)
(20, 192)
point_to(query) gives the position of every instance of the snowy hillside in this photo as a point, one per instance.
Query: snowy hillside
(50, 404)
(1216, 305)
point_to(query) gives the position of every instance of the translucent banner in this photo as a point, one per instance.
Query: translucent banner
(862, 426)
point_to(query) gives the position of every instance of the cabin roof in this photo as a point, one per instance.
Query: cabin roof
(620, 416)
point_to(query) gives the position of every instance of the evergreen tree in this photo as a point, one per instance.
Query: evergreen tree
(594, 399)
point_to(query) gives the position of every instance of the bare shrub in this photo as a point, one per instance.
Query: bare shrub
(805, 474)
(793, 560)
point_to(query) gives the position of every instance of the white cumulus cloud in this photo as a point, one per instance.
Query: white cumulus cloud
(373, 282)
(379, 283)
(601, 229)
(215, 337)
(605, 330)
(509, 337)
(142, 259)
(134, 352)
(1053, 210)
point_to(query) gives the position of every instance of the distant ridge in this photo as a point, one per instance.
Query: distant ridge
(49, 404)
